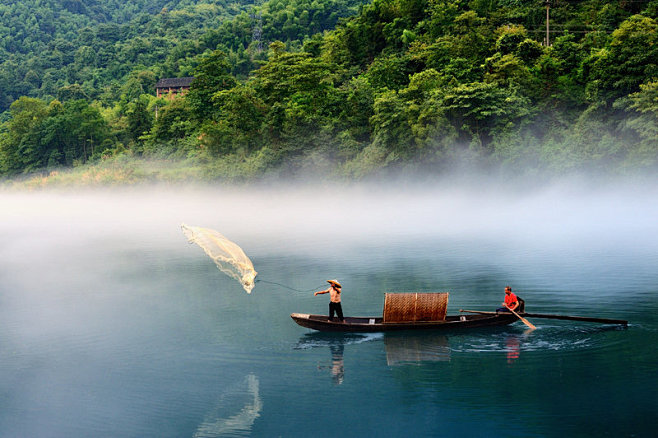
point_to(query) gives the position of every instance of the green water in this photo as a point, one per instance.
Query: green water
(111, 324)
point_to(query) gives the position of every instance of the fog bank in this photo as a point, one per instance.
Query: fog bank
(345, 215)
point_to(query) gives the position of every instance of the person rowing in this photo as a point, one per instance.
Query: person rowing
(511, 301)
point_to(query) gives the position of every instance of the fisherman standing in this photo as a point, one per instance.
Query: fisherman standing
(334, 302)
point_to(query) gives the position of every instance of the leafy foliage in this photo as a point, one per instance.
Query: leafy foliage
(43, 135)
(291, 85)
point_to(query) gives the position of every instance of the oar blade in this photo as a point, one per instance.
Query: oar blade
(525, 321)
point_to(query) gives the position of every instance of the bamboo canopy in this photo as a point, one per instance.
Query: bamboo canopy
(411, 307)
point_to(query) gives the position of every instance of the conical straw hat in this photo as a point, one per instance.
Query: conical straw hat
(335, 283)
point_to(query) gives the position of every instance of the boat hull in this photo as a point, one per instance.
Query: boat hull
(376, 324)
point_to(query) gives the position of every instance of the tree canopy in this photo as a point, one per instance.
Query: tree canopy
(357, 88)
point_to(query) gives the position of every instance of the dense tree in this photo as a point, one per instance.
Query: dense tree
(210, 76)
(107, 41)
(41, 135)
(392, 83)
(643, 123)
(238, 128)
(629, 59)
(19, 148)
(103, 42)
(174, 122)
(139, 117)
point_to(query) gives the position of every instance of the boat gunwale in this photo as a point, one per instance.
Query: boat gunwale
(355, 324)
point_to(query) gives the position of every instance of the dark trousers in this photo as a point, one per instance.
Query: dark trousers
(335, 307)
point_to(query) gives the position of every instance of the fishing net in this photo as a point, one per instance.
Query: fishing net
(408, 307)
(228, 256)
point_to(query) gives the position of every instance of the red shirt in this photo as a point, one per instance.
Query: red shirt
(510, 299)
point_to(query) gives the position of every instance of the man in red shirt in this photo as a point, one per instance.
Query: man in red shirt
(511, 301)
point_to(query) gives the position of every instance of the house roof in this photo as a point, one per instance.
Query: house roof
(174, 82)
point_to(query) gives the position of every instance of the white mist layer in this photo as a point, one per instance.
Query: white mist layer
(327, 220)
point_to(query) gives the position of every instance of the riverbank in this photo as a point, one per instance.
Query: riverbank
(120, 171)
(125, 170)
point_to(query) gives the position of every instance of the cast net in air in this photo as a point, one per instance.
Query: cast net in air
(228, 256)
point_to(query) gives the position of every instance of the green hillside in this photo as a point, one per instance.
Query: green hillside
(291, 87)
(55, 49)
(51, 48)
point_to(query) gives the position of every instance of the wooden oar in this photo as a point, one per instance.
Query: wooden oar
(565, 317)
(482, 312)
(525, 321)
(578, 318)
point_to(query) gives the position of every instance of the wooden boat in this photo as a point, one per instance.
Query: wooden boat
(621, 322)
(377, 324)
(427, 311)
(406, 311)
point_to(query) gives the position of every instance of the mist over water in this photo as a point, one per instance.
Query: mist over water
(112, 324)
(346, 213)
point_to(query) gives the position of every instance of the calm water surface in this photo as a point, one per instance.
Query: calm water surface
(112, 325)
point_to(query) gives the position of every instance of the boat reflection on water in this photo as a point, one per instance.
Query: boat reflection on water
(404, 348)
(337, 367)
(336, 343)
(416, 348)
(237, 409)
(513, 348)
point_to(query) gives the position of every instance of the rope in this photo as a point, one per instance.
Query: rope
(288, 287)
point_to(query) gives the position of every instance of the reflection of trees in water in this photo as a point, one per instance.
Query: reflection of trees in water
(223, 420)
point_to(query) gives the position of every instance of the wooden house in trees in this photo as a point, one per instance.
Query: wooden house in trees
(172, 87)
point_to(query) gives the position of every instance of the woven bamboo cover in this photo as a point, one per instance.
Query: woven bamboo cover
(409, 307)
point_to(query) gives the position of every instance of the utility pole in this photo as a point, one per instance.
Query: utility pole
(257, 35)
(548, 19)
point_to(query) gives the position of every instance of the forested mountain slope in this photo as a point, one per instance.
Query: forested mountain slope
(413, 84)
(49, 45)
(84, 48)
